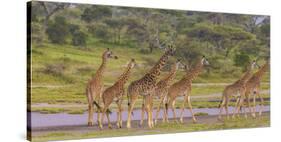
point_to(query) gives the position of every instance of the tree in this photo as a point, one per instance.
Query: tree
(241, 60)
(221, 36)
(96, 13)
(101, 31)
(116, 24)
(58, 30)
(79, 38)
(50, 8)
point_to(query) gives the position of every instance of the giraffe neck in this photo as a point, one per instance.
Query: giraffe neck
(171, 74)
(261, 71)
(125, 76)
(247, 75)
(190, 75)
(101, 69)
(155, 71)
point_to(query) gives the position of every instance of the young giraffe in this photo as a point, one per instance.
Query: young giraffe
(116, 93)
(145, 87)
(161, 89)
(183, 88)
(95, 85)
(238, 89)
(253, 87)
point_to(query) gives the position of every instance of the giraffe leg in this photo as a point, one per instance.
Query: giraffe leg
(119, 122)
(158, 109)
(132, 99)
(221, 106)
(90, 114)
(248, 104)
(261, 104)
(226, 107)
(166, 107)
(254, 105)
(102, 118)
(108, 120)
(142, 113)
(173, 109)
(190, 108)
(182, 108)
(240, 103)
(236, 106)
(151, 110)
(103, 111)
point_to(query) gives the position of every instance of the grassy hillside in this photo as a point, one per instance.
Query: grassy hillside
(60, 73)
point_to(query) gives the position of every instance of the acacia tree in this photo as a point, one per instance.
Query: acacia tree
(95, 13)
(117, 25)
(50, 9)
(221, 36)
(152, 27)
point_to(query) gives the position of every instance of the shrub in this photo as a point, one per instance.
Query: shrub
(36, 32)
(57, 30)
(54, 69)
(100, 31)
(241, 60)
(79, 38)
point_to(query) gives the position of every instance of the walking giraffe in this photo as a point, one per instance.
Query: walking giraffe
(145, 87)
(116, 93)
(95, 85)
(183, 88)
(236, 89)
(253, 88)
(161, 89)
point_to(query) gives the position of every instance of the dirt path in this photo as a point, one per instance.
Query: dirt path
(210, 119)
(63, 119)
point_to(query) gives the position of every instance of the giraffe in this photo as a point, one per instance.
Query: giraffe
(116, 93)
(253, 88)
(236, 89)
(183, 88)
(163, 85)
(95, 86)
(145, 87)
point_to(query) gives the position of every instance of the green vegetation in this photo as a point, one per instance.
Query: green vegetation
(69, 39)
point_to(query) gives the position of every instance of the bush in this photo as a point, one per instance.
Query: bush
(36, 32)
(73, 28)
(57, 31)
(79, 38)
(100, 31)
(54, 69)
(241, 60)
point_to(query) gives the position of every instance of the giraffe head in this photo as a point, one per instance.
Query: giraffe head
(204, 61)
(253, 65)
(109, 55)
(170, 50)
(132, 63)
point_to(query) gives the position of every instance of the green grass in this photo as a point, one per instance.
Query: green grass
(161, 128)
(61, 72)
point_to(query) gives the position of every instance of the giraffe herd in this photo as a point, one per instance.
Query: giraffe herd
(149, 88)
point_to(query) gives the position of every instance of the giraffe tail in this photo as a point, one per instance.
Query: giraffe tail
(97, 105)
(108, 111)
(220, 104)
